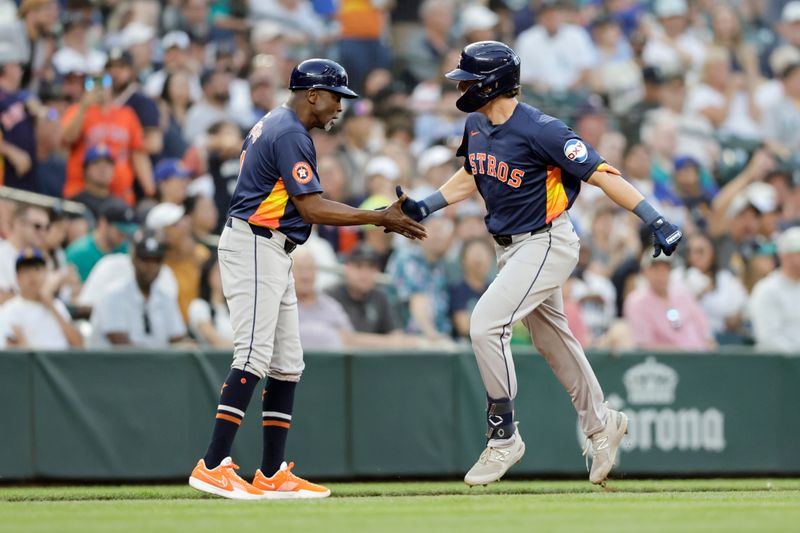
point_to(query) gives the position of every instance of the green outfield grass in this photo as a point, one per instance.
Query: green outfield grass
(686, 506)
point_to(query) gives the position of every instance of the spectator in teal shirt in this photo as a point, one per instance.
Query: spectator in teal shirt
(115, 226)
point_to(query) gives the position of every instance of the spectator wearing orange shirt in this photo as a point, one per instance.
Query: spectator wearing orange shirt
(97, 119)
(362, 50)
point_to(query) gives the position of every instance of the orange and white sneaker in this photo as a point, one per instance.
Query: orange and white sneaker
(285, 485)
(223, 481)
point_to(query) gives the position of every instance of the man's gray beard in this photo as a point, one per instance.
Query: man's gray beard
(329, 125)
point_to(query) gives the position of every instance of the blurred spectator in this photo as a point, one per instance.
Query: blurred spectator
(209, 317)
(361, 47)
(425, 47)
(477, 259)
(357, 145)
(616, 75)
(782, 118)
(671, 45)
(173, 106)
(594, 295)
(19, 112)
(75, 42)
(172, 180)
(137, 39)
(719, 292)
(223, 149)
(28, 230)
(325, 323)
(263, 94)
(139, 312)
(176, 61)
(127, 91)
(420, 279)
(736, 219)
(202, 215)
(211, 108)
(182, 254)
(664, 316)
(725, 98)
(382, 174)
(773, 305)
(97, 119)
(42, 321)
(478, 23)
(305, 31)
(365, 302)
(555, 55)
(34, 36)
(98, 173)
(116, 223)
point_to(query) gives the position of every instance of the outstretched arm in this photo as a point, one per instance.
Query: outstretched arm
(316, 210)
(665, 235)
(460, 186)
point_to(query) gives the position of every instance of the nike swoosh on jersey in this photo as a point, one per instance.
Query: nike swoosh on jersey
(474, 133)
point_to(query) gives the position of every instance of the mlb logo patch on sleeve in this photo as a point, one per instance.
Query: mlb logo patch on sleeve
(576, 151)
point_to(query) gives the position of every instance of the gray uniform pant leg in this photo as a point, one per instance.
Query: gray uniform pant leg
(258, 286)
(531, 273)
(553, 339)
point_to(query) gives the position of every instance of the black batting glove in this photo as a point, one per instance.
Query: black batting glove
(666, 236)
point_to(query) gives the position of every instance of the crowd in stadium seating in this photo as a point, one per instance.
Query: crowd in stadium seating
(137, 109)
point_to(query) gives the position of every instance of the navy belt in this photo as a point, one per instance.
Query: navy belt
(508, 240)
(288, 245)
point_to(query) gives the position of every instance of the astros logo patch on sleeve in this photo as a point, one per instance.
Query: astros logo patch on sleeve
(576, 151)
(302, 172)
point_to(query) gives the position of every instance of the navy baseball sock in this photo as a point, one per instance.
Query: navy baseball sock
(233, 400)
(277, 419)
(500, 418)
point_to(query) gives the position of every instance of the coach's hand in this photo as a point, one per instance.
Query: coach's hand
(666, 237)
(394, 219)
(412, 208)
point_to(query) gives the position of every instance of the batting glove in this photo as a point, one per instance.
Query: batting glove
(666, 237)
(412, 208)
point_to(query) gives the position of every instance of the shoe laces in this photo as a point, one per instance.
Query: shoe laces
(231, 469)
(493, 454)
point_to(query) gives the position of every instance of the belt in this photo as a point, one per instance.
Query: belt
(508, 240)
(238, 223)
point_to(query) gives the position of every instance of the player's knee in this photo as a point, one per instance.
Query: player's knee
(478, 331)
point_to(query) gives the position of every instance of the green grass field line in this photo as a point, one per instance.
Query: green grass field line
(630, 506)
(400, 488)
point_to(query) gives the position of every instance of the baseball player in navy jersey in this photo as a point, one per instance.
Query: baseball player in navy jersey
(276, 200)
(529, 168)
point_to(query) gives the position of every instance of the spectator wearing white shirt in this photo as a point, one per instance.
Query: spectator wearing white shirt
(671, 45)
(721, 295)
(139, 312)
(725, 98)
(555, 55)
(28, 229)
(42, 322)
(782, 118)
(773, 304)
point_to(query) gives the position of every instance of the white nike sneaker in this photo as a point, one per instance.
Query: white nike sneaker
(496, 459)
(604, 446)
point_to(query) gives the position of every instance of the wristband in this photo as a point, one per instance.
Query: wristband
(646, 212)
(432, 203)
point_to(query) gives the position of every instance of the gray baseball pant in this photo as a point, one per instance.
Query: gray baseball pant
(532, 272)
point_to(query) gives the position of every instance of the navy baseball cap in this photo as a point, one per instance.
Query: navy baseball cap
(30, 257)
(96, 153)
(120, 214)
(683, 161)
(170, 168)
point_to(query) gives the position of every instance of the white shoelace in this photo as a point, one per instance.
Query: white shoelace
(499, 455)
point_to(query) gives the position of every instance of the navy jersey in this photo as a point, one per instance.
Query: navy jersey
(278, 161)
(18, 127)
(528, 170)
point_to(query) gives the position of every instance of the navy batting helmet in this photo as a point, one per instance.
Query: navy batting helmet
(321, 74)
(495, 68)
